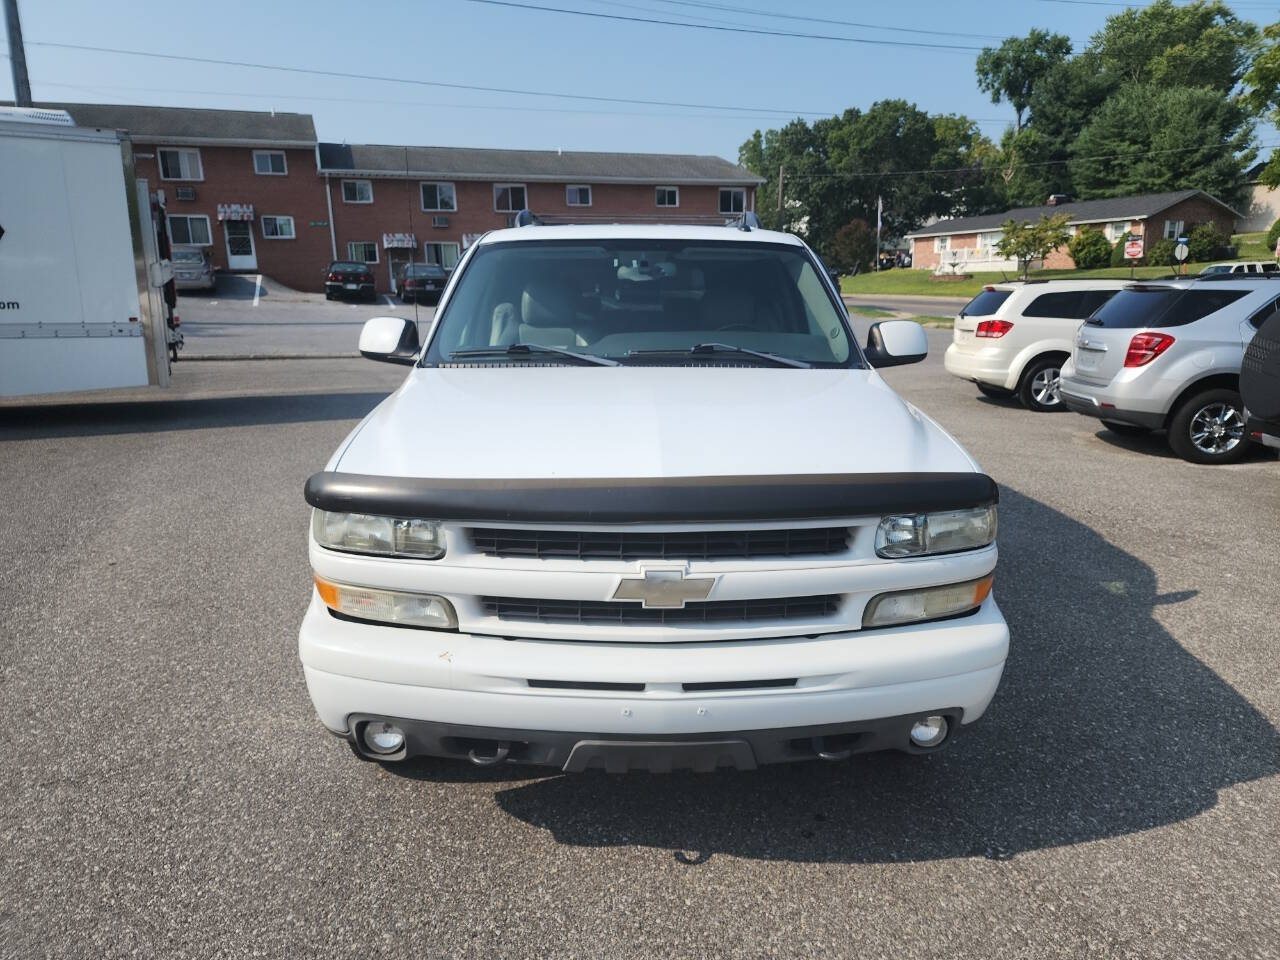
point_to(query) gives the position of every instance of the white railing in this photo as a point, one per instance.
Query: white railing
(974, 259)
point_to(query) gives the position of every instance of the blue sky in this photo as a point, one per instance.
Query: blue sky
(464, 42)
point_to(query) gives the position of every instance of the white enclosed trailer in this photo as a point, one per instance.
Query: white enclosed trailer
(82, 303)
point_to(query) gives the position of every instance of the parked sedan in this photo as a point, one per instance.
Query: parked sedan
(192, 268)
(349, 279)
(419, 282)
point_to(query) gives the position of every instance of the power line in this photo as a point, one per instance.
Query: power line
(422, 83)
(701, 4)
(723, 29)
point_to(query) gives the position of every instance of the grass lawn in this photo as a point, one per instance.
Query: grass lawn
(943, 323)
(1252, 246)
(869, 312)
(917, 283)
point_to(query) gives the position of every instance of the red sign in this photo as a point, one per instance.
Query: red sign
(1133, 249)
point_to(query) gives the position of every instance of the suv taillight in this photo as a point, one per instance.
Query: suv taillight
(334, 277)
(1145, 347)
(993, 328)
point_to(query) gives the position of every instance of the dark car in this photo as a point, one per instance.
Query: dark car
(349, 280)
(1260, 378)
(421, 282)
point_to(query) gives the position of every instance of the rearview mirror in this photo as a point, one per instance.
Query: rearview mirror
(389, 339)
(891, 343)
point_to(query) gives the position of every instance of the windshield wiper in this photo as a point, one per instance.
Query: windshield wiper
(526, 349)
(698, 348)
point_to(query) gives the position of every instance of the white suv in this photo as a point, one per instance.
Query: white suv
(643, 502)
(1166, 355)
(1012, 338)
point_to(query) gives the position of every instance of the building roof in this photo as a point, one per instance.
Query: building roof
(196, 125)
(471, 163)
(1082, 211)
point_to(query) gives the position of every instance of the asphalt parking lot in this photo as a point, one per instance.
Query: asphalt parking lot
(170, 793)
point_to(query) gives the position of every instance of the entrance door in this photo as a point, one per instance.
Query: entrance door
(395, 260)
(240, 254)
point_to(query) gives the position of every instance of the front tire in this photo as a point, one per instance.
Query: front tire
(1038, 390)
(1209, 428)
(1125, 429)
(995, 393)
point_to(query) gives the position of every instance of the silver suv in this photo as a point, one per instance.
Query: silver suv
(1166, 354)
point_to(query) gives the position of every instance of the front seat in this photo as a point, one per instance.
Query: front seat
(548, 316)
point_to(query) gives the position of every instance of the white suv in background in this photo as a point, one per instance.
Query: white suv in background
(1012, 338)
(1166, 355)
(643, 502)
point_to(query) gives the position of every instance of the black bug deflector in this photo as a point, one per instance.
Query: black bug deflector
(651, 499)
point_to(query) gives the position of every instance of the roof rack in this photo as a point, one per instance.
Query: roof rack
(1215, 277)
(745, 221)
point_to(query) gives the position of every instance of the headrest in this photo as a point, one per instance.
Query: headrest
(545, 304)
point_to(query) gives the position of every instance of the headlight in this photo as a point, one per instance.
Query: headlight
(388, 606)
(382, 536)
(917, 535)
(930, 603)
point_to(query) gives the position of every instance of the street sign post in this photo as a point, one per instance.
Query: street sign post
(1132, 251)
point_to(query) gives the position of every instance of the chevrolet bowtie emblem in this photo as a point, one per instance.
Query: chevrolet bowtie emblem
(664, 589)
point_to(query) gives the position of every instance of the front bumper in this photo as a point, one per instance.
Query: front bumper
(862, 686)
(985, 365)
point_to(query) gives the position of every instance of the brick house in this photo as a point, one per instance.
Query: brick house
(969, 243)
(242, 183)
(1263, 207)
(392, 202)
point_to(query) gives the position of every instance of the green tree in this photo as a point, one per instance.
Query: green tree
(1089, 249)
(1012, 70)
(854, 247)
(1273, 235)
(1024, 241)
(1148, 139)
(1262, 85)
(1204, 242)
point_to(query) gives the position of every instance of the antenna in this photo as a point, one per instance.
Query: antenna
(414, 248)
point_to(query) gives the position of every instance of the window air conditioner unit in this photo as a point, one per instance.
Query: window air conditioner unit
(439, 221)
(186, 193)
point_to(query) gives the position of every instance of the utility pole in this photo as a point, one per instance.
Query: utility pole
(780, 175)
(17, 56)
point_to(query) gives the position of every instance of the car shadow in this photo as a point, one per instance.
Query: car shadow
(41, 421)
(1104, 725)
(1156, 444)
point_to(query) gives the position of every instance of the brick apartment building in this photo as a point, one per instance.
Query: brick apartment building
(242, 183)
(969, 242)
(259, 191)
(393, 202)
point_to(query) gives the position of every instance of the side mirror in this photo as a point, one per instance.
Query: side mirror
(891, 343)
(389, 339)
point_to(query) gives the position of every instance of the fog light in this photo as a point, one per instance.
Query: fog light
(929, 731)
(382, 737)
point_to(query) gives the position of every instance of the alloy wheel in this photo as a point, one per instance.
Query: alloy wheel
(1044, 386)
(1217, 428)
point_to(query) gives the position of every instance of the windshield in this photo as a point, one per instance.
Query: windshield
(188, 256)
(642, 301)
(986, 303)
(424, 270)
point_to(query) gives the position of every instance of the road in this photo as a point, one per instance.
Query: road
(248, 316)
(919, 306)
(169, 792)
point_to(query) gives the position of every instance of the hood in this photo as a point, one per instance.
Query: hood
(527, 422)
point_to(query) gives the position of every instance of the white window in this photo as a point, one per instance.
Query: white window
(180, 164)
(357, 191)
(666, 197)
(733, 200)
(442, 254)
(577, 195)
(359, 250)
(1117, 230)
(509, 197)
(439, 196)
(941, 244)
(277, 228)
(990, 240)
(190, 228)
(269, 163)
(1173, 229)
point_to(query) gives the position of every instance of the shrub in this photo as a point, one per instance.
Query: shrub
(1204, 242)
(1273, 235)
(1089, 249)
(854, 247)
(1161, 253)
